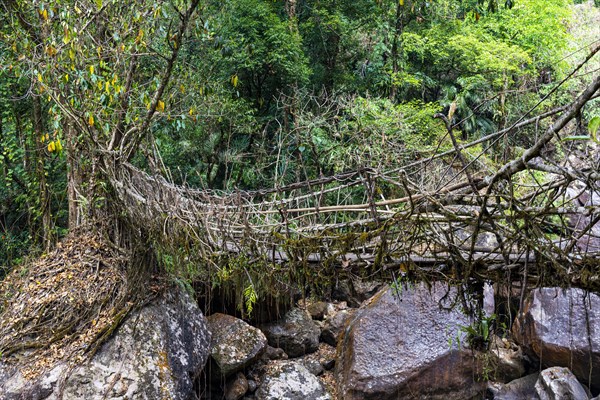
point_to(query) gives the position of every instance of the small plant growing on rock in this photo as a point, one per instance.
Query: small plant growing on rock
(479, 333)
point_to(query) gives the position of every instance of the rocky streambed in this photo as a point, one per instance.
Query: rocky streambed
(404, 341)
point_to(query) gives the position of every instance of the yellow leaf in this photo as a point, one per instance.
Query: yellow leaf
(44, 14)
(51, 147)
(192, 111)
(91, 69)
(66, 77)
(401, 2)
(160, 106)
(39, 76)
(58, 145)
(47, 136)
(106, 86)
(139, 36)
(51, 51)
(91, 120)
(234, 80)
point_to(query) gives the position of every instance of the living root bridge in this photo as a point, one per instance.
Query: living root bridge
(482, 220)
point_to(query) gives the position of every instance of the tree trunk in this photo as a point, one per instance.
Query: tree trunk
(47, 230)
(73, 178)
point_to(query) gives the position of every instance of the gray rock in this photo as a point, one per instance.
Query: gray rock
(236, 388)
(288, 380)
(156, 353)
(317, 310)
(485, 240)
(508, 360)
(274, 353)
(519, 389)
(296, 334)
(489, 302)
(397, 347)
(252, 385)
(15, 387)
(234, 344)
(329, 364)
(334, 325)
(577, 194)
(562, 328)
(355, 291)
(558, 383)
(314, 367)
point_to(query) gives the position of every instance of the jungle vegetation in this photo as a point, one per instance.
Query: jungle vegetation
(249, 94)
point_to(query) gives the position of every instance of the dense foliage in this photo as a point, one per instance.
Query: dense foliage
(263, 92)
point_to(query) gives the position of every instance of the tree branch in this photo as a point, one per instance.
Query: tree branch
(134, 136)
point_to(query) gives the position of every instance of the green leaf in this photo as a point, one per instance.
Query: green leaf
(593, 127)
(485, 329)
(571, 138)
(99, 4)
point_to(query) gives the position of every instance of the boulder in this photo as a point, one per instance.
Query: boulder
(334, 325)
(156, 353)
(558, 383)
(274, 353)
(252, 386)
(401, 344)
(519, 389)
(589, 237)
(508, 360)
(317, 310)
(236, 388)
(234, 344)
(562, 328)
(288, 380)
(313, 366)
(355, 291)
(296, 334)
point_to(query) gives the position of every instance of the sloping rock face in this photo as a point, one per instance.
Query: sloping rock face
(156, 354)
(288, 380)
(562, 328)
(235, 344)
(397, 347)
(519, 389)
(296, 334)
